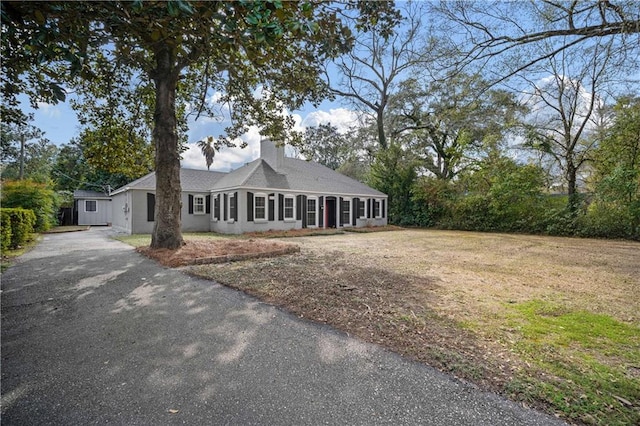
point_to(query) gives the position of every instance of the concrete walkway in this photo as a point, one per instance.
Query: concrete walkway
(93, 333)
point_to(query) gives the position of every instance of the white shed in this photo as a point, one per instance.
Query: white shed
(92, 208)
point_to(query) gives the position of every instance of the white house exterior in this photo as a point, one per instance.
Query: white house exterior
(93, 208)
(279, 193)
(134, 204)
(271, 193)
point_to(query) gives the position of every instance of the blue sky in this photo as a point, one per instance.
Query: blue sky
(60, 124)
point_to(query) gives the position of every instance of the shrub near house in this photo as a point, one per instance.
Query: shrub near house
(16, 227)
(34, 196)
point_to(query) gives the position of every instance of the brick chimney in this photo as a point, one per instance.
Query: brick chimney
(272, 154)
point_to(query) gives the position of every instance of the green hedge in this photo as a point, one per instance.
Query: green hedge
(38, 197)
(16, 227)
(5, 229)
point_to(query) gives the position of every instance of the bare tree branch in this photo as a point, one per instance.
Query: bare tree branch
(487, 31)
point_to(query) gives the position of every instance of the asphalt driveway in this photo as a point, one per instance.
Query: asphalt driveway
(93, 333)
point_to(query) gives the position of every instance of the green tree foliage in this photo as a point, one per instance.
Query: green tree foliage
(115, 149)
(619, 151)
(25, 70)
(9, 150)
(500, 195)
(231, 47)
(325, 145)
(30, 195)
(517, 198)
(362, 148)
(26, 153)
(117, 135)
(73, 171)
(615, 210)
(394, 173)
(451, 124)
(431, 199)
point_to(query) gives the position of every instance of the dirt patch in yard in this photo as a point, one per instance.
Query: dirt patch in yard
(306, 232)
(198, 252)
(375, 304)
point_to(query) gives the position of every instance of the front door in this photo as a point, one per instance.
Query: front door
(330, 212)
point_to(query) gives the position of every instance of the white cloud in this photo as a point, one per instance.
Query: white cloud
(228, 159)
(49, 110)
(343, 119)
(192, 158)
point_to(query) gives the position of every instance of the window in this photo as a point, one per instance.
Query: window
(216, 208)
(151, 207)
(345, 211)
(232, 207)
(289, 207)
(198, 204)
(260, 207)
(311, 211)
(90, 206)
(362, 212)
(376, 208)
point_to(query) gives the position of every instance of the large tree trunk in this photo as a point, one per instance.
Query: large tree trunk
(574, 202)
(167, 231)
(382, 137)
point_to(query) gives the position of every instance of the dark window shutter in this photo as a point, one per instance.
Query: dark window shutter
(216, 207)
(235, 206)
(354, 211)
(207, 204)
(280, 207)
(272, 207)
(249, 206)
(151, 207)
(369, 212)
(299, 207)
(340, 211)
(190, 204)
(321, 212)
(382, 212)
(304, 211)
(224, 206)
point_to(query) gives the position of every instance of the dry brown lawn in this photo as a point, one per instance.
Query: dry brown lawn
(448, 298)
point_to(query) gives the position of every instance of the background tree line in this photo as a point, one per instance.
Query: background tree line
(507, 126)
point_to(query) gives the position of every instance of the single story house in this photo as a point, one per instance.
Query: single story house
(134, 203)
(273, 192)
(91, 208)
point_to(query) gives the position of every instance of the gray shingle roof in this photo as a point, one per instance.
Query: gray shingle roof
(294, 175)
(81, 193)
(191, 181)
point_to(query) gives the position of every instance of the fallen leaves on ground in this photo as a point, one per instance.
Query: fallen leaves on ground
(211, 251)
